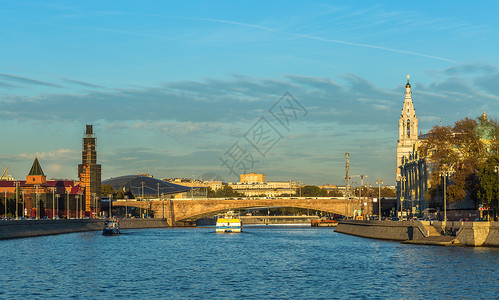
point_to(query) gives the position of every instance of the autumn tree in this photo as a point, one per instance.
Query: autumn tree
(460, 149)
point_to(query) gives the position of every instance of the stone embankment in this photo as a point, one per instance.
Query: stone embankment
(150, 223)
(31, 228)
(277, 220)
(476, 234)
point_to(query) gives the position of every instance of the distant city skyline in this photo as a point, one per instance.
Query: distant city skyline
(170, 88)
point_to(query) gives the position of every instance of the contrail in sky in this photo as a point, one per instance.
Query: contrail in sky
(312, 37)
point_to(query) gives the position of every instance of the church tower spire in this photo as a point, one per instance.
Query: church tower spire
(408, 128)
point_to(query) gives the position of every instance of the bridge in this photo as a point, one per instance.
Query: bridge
(177, 211)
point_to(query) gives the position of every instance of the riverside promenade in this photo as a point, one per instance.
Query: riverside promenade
(474, 234)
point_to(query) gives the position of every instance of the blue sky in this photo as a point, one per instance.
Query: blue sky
(171, 87)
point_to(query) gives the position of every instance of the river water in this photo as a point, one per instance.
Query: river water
(262, 262)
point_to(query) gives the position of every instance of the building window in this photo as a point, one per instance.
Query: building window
(408, 128)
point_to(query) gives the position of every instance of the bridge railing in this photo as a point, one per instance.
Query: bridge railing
(232, 198)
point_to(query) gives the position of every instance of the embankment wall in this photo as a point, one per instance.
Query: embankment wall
(476, 234)
(384, 230)
(31, 228)
(256, 220)
(148, 223)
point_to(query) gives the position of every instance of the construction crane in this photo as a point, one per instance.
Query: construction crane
(3, 174)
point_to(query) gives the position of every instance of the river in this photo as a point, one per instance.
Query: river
(262, 262)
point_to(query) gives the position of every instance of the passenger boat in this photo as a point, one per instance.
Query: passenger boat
(229, 223)
(111, 227)
(324, 223)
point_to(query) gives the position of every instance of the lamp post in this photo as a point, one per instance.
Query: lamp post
(110, 203)
(67, 202)
(354, 183)
(163, 204)
(126, 206)
(192, 188)
(5, 200)
(57, 205)
(37, 203)
(17, 200)
(142, 183)
(379, 182)
(77, 206)
(361, 186)
(402, 194)
(23, 204)
(53, 202)
(496, 169)
(445, 174)
(94, 215)
(81, 200)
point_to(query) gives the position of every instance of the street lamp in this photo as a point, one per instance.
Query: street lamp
(192, 188)
(94, 195)
(445, 174)
(5, 198)
(142, 183)
(354, 183)
(360, 193)
(77, 206)
(53, 202)
(17, 200)
(496, 169)
(57, 206)
(110, 203)
(24, 215)
(379, 182)
(402, 194)
(67, 201)
(37, 203)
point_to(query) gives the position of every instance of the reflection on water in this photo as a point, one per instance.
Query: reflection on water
(262, 262)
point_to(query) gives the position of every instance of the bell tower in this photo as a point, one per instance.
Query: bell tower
(408, 128)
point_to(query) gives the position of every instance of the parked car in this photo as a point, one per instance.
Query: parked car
(394, 219)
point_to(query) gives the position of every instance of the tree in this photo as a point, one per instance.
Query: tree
(488, 190)
(459, 148)
(312, 191)
(388, 192)
(121, 194)
(107, 190)
(224, 192)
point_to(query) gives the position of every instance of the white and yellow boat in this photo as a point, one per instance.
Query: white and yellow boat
(229, 223)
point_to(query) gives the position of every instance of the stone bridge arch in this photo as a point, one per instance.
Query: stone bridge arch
(177, 210)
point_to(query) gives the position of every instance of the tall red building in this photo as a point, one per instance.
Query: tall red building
(89, 172)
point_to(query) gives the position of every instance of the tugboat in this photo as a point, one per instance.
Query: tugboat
(229, 223)
(111, 227)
